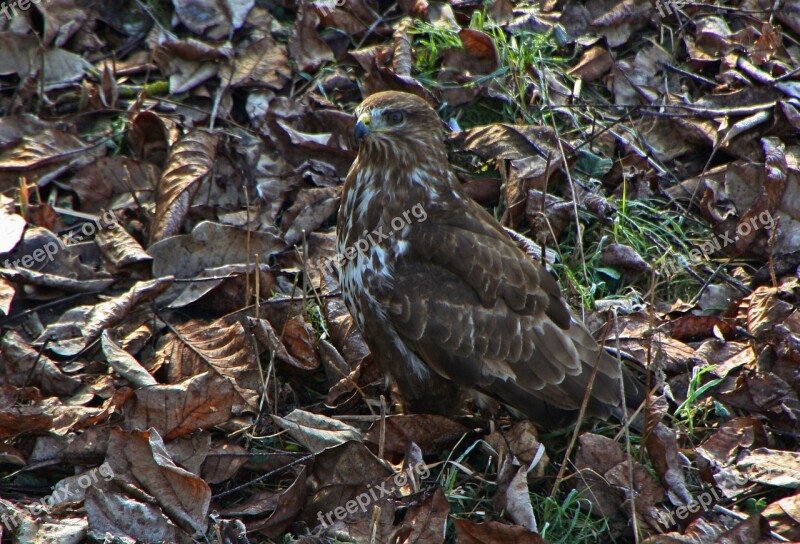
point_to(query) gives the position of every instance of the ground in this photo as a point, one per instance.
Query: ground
(177, 361)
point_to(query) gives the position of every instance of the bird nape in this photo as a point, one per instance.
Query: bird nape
(448, 303)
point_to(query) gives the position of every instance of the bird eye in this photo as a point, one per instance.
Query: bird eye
(395, 117)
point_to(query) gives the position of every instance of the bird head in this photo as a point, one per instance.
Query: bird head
(394, 120)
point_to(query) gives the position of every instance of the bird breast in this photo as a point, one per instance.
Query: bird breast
(367, 250)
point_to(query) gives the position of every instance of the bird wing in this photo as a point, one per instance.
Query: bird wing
(480, 312)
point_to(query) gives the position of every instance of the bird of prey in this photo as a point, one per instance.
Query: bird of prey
(449, 305)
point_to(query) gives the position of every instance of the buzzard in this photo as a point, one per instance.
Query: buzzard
(448, 303)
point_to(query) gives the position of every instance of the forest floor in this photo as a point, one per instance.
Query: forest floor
(176, 361)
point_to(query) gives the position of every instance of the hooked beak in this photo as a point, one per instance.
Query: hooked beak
(362, 127)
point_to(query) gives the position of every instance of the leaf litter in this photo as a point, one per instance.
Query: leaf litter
(177, 362)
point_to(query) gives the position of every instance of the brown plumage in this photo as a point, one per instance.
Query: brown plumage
(448, 303)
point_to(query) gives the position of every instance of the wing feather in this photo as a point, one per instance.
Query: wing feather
(480, 312)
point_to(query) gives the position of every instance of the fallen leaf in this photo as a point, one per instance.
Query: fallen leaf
(316, 432)
(189, 162)
(493, 532)
(199, 402)
(220, 349)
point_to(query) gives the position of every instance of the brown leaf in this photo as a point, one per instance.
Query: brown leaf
(310, 210)
(344, 333)
(52, 281)
(672, 355)
(432, 433)
(643, 493)
(223, 462)
(522, 441)
(109, 90)
(190, 451)
(262, 63)
(662, 447)
(222, 349)
(73, 488)
(115, 182)
(547, 224)
(274, 511)
(381, 77)
(191, 160)
(25, 366)
(150, 137)
(47, 151)
(316, 432)
(417, 8)
(772, 467)
(226, 288)
(305, 46)
(725, 445)
(625, 257)
(699, 531)
(82, 325)
(17, 420)
(62, 20)
(768, 395)
(425, 522)
(621, 20)
(502, 11)
(199, 402)
(266, 335)
(510, 142)
(784, 517)
(593, 64)
(494, 532)
(340, 474)
(769, 199)
(189, 63)
(533, 153)
(352, 17)
(694, 327)
(120, 248)
(478, 55)
(301, 342)
(750, 531)
(216, 19)
(189, 255)
(124, 363)
(603, 480)
(764, 309)
(513, 497)
(73, 417)
(767, 44)
(24, 57)
(111, 512)
(141, 459)
(12, 456)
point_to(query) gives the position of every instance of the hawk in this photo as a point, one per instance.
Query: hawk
(449, 305)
